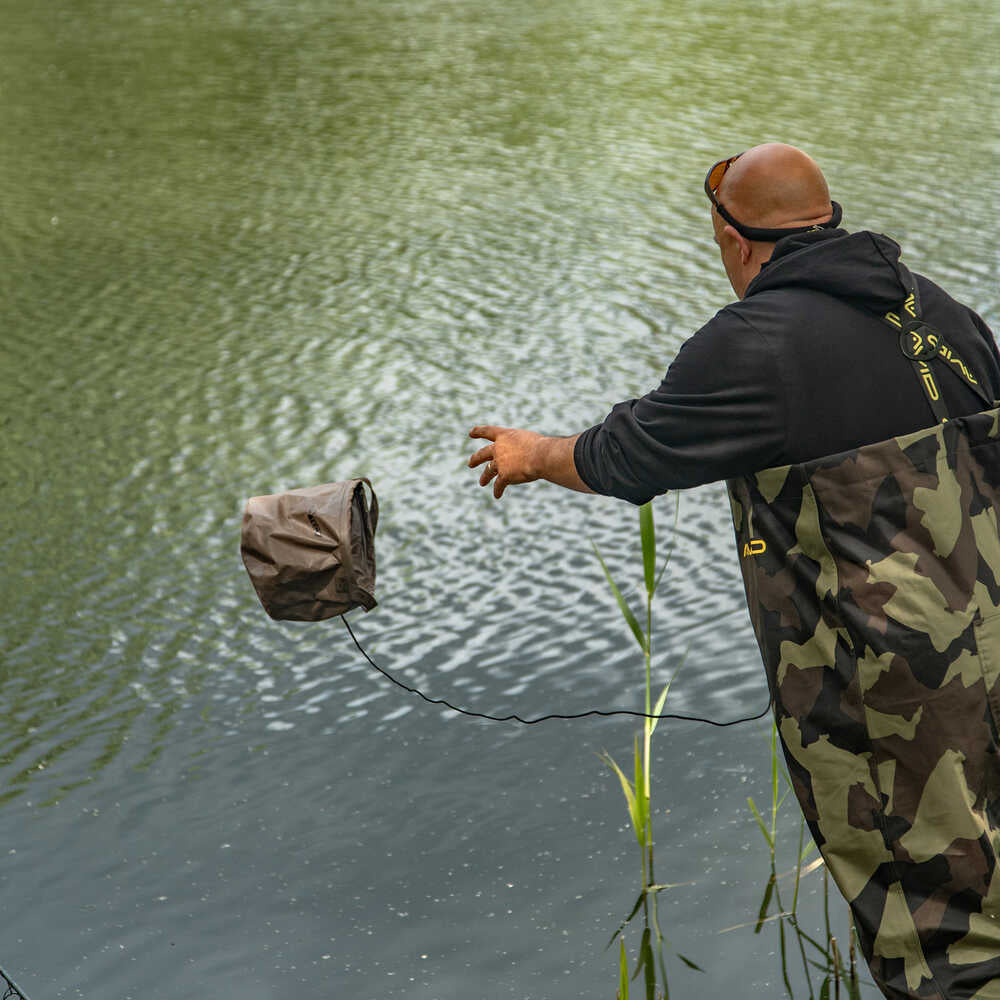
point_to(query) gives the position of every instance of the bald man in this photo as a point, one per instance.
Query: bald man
(851, 406)
(794, 370)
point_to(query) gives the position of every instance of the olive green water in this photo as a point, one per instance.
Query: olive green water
(251, 246)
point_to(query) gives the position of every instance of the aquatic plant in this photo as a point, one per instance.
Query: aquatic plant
(638, 789)
(819, 954)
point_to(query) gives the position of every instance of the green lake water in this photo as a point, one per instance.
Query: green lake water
(252, 246)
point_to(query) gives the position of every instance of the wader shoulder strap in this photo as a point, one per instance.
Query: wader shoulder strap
(922, 345)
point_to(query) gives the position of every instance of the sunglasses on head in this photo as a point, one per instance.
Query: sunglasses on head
(714, 178)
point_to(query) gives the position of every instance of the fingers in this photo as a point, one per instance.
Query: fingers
(488, 473)
(491, 472)
(487, 431)
(483, 455)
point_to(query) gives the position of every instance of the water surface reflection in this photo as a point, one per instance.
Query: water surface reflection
(263, 245)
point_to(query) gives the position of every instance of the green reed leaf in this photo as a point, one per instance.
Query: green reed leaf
(630, 798)
(621, 927)
(824, 990)
(774, 774)
(643, 948)
(673, 541)
(622, 972)
(650, 980)
(641, 795)
(647, 959)
(626, 611)
(807, 850)
(760, 822)
(765, 904)
(648, 535)
(784, 958)
(660, 940)
(658, 707)
(691, 965)
(635, 908)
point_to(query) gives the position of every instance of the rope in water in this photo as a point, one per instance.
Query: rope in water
(544, 718)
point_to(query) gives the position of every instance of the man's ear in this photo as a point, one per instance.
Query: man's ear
(745, 248)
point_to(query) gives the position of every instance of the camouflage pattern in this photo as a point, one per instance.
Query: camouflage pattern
(873, 581)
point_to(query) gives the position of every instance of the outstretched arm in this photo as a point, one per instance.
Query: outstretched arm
(518, 456)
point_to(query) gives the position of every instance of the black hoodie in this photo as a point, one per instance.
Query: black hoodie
(802, 367)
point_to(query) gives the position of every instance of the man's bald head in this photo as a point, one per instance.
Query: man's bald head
(775, 186)
(769, 187)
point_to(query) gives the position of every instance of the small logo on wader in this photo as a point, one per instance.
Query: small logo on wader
(754, 547)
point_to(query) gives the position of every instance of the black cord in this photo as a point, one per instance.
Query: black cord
(543, 718)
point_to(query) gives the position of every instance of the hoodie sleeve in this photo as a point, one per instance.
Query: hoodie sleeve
(719, 412)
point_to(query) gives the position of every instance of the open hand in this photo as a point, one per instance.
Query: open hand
(509, 458)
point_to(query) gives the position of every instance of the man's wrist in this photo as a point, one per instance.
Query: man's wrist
(552, 459)
(540, 456)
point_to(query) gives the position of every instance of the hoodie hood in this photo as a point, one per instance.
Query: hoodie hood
(859, 268)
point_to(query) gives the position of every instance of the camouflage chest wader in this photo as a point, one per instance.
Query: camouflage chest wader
(873, 582)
